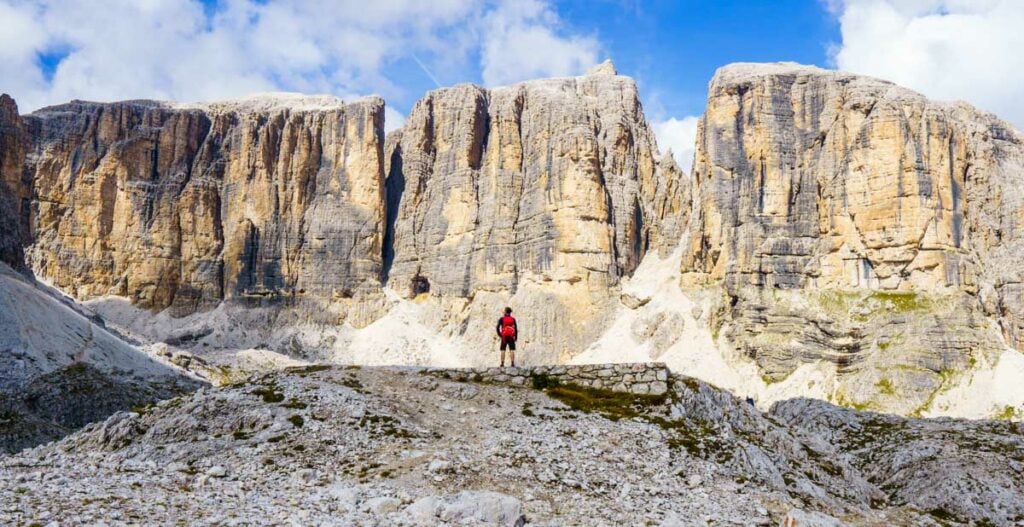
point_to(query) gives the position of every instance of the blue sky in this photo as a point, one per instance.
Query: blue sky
(52, 51)
(673, 48)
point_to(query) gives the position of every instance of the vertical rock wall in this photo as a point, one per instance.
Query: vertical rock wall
(14, 192)
(541, 195)
(830, 184)
(553, 180)
(183, 207)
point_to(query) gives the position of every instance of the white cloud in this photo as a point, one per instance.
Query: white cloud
(947, 49)
(173, 49)
(522, 42)
(679, 135)
(393, 119)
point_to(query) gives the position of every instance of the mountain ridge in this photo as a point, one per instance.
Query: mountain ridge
(436, 221)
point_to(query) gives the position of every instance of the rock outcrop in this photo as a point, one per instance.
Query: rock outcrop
(60, 368)
(831, 184)
(176, 206)
(547, 180)
(550, 190)
(379, 446)
(14, 192)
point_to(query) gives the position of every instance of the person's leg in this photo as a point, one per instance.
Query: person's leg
(512, 351)
(502, 353)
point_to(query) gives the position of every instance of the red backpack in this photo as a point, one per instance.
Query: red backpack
(508, 327)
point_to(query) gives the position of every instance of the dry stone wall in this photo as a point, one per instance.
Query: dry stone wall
(640, 378)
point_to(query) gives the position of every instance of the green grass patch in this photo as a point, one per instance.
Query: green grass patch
(312, 368)
(269, 394)
(296, 420)
(384, 425)
(352, 382)
(842, 400)
(295, 404)
(1008, 413)
(835, 302)
(885, 387)
(610, 404)
(899, 302)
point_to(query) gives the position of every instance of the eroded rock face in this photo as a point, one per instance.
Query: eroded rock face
(553, 180)
(817, 180)
(183, 207)
(13, 189)
(541, 195)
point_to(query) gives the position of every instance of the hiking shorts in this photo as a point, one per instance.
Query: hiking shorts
(509, 343)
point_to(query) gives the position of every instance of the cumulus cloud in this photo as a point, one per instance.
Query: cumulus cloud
(181, 50)
(679, 135)
(947, 49)
(522, 42)
(170, 49)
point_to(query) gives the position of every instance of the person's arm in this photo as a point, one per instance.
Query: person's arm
(498, 327)
(515, 326)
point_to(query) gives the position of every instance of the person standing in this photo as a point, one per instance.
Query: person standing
(508, 332)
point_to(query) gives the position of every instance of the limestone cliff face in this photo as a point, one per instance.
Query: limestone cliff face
(823, 181)
(541, 195)
(14, 191)
(182, 207)
(551, 190)
(548, 181)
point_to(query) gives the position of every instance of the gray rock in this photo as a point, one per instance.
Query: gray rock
(799, 518)
(814, 208)
(381, 505)
(481, 506)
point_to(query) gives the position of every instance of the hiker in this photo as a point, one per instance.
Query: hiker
(508, 331)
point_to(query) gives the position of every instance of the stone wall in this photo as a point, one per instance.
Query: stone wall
(639, 378)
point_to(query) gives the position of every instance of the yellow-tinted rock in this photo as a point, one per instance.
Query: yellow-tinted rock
(14, 191)
(854, 222)
(553, 180)
(183, 207)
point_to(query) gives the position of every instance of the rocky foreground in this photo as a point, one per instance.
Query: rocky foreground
(324, 445)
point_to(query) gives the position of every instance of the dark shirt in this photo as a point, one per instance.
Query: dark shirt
(498, 327)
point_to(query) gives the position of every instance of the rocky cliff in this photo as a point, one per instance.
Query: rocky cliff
(550, 190)
(547, 192)
(13, 189)
(550, 180)
(182, 207)
(851, 220)
(831, 220)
